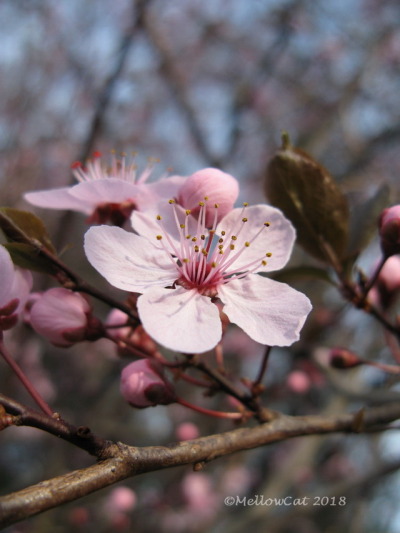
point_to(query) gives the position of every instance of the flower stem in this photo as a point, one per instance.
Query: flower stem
(24, 380)
(209, 412)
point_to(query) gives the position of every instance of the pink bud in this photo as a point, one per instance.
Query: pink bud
(143, 385)
(387, 287)
(61, 316)
(389, 230)
(342, 358)
(212, 186)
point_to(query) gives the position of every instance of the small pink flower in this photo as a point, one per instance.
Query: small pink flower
(61, 316)
(15, 285)
(143, 385)
(218, 187)
(389, 230)
(106, 194)
(186, 272)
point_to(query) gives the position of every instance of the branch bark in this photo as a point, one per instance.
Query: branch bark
(126, 461)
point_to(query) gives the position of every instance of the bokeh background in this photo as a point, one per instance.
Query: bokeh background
(189, 84)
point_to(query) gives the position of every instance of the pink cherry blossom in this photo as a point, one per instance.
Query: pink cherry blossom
(15, 286)
(107, 194)
(188, 273)
(60, 315)
(143, 385)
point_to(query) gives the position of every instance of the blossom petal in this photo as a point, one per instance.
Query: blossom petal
(180, 319)
(167, 187)
(277, 239)
(128, 261)
(270, 312)
(58, 199)
(105, 190)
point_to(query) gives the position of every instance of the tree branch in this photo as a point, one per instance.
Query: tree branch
(126, 461)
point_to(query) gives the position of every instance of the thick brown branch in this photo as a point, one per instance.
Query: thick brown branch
(126, 461)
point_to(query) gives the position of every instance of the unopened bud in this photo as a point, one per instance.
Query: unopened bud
(342, 358)
(389, 230)
(61, 316)
(143, 384)
(218, 188)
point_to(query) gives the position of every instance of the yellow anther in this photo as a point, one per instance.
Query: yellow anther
(203, 237)
(201, 204)
(221, 252)
(213, 264)
(182, 226)
(247, 244)
(159, 237)
(194, 239)
(188, 211)
(268, 254)
(204, 252)
(220, 240)
(264, 263)
(216, 206)
(196, 248)
(159, 217)
(172, 201)
(244, 219)
(223, 233)
(245, 204)
(267, 224)
(206, 198)
(232, 246)
(220, 246)
(234, 238)
(185, 260)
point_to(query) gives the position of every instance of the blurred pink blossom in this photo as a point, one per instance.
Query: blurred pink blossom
(15, 286)
(185, 270)
(121, 500)
(387, 286)
(187, 431)
(107, 194)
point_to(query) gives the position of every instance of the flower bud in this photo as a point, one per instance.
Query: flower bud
(389, 230)
(213, 186)
(61, 316)
(143, 385)
(387, 287)
(342, 358)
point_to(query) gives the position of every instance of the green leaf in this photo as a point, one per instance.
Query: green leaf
(24, 227)
(27, 256)
(308, 195)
